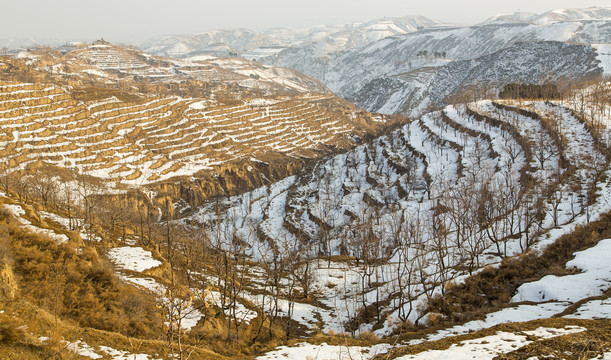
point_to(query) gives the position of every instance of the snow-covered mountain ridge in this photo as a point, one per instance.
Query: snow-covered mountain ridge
(395, 65)
(411, 92)
(557, 15)
(336, 38)
(406, 73)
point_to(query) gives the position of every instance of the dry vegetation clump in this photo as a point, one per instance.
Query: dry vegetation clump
(18, 70)
(100, 93)
(11, 330)
(28, 319)
(76, 284)
(16, 342)
(366, 338)
(530, 91)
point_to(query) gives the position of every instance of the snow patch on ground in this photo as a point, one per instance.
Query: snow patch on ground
(488, 347)
(483, 348)
(326, 352)
(595, 309)
(18, 212)
(605, 356)
(146, 283)
(133, 258)
(15, 210)
(595, 278)
(520, 313)
(65, 222)
(95, 72)
(124, 355)
(82, 348)
(189, 316)
(241, 312)
(261, 102)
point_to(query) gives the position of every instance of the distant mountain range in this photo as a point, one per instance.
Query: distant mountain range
(558, 15)
(395, 65)
(11, 43)
(329, 39)
(420, 60)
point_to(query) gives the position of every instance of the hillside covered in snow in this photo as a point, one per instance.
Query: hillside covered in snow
(405, 246)
(199, 205)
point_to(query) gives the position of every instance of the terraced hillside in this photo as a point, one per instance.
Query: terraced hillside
(110, 64)
(157, 138)
(426, 236)
(131, 120)
(256, 218)
(384, 228)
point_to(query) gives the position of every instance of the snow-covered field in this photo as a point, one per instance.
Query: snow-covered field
(521, 313)
(484, 348)
(594, 309)
(81, 348)
(325, 352)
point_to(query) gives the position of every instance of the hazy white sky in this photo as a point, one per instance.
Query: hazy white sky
(136, 20)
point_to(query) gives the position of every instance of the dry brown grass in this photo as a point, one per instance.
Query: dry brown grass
(75, 285)
(22, 323)
(100, 93)
(79, 299)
